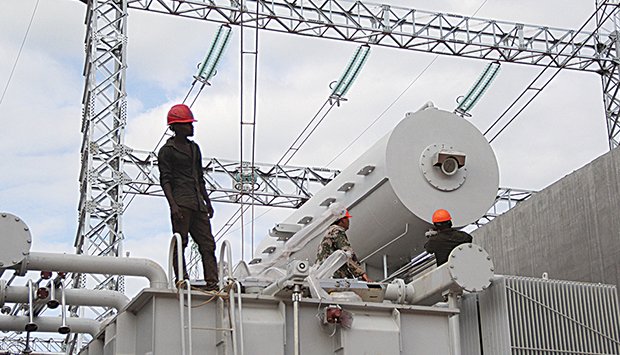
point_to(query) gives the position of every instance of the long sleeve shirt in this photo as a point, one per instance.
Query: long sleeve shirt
(442, 243)
(336, 239)
(184, 174)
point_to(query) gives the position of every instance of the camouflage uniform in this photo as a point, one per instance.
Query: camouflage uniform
(336, 239)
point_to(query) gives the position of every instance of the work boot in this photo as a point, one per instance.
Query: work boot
(210, 286)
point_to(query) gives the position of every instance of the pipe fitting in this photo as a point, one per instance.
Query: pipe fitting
(98, 265)
(50, 324)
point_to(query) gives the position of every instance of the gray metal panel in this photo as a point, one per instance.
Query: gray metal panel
(261, 322)
(468, 321)
(522, 316)
(494, 318)
(570, 230)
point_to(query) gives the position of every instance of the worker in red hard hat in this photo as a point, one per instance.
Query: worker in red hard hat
(181, 178)
(443, 238)
(336, 239)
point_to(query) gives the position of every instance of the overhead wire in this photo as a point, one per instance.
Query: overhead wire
(538, 90)
(292, 150)
(19, 52)
(396, 99)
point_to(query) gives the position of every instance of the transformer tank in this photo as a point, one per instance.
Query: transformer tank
(432, 159)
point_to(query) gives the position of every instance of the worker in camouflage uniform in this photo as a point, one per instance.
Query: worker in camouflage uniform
(336, 239)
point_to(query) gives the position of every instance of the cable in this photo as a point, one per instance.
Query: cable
(395, 100)
(384, 111)
(539, 90)
(34, 11)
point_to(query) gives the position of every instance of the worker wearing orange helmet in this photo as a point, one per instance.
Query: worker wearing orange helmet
(181, 178)
(443, 239)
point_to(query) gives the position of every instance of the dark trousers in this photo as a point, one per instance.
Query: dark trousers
(197, 224)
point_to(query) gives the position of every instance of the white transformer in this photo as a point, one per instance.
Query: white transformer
(432, 159)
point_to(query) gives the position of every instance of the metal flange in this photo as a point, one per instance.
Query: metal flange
(15, 238)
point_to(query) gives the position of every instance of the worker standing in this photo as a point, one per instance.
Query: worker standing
(444, 238)
(181, 178)
(336, 239)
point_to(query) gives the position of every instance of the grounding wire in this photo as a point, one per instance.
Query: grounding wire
(19, 52)
(548, 66)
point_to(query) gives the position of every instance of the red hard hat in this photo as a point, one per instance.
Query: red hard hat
(180, 114)
(441, 216)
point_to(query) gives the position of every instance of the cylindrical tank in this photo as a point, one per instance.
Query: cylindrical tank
(432, 159)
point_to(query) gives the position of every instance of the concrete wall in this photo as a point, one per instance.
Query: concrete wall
(571, 230)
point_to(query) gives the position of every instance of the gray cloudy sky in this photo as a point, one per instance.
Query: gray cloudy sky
(561, 131)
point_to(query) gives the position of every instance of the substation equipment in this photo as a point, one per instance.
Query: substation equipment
(283, 303)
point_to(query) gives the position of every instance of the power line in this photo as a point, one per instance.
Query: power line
(385, 111)
(395, 100)
(539, 89)
(34, 11)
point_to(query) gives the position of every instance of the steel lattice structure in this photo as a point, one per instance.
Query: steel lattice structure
(274, 185)
(110, 171)
(104, 106)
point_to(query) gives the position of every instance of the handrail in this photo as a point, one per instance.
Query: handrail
(189, 315)
(171, 277)
(176, 237)
(231, 294)
(387, 244)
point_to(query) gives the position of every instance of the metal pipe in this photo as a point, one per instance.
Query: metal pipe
(189, 316)
(387, 244)
(50, 324)
(98, 265)
(63, 329)
(225, 249)
(52, 303)
(78, 297)
(296, 298)
(233, 320)
(30, 326)
(453, 325)
(175, 241)
(238, 284)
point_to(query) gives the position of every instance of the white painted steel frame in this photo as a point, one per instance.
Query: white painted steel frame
(104, 110)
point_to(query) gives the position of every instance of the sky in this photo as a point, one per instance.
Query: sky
(562, 130)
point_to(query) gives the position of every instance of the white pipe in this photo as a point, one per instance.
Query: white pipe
(226, 250)
(52, 302)
(189, 316)
(296, 298)
(64, 328)
(238, 284)
(176, 242)
(30, 326)
(50, 324)
(176, 237)
(453, 325)
(77, 297)
(98, 265)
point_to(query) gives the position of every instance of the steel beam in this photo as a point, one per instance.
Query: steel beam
(400, 27)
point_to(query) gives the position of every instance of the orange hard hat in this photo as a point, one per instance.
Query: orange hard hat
(180, 114)
(347, 215)
(441, 216)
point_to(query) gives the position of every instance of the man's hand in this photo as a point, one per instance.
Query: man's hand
(175, 211)
(366, 278)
